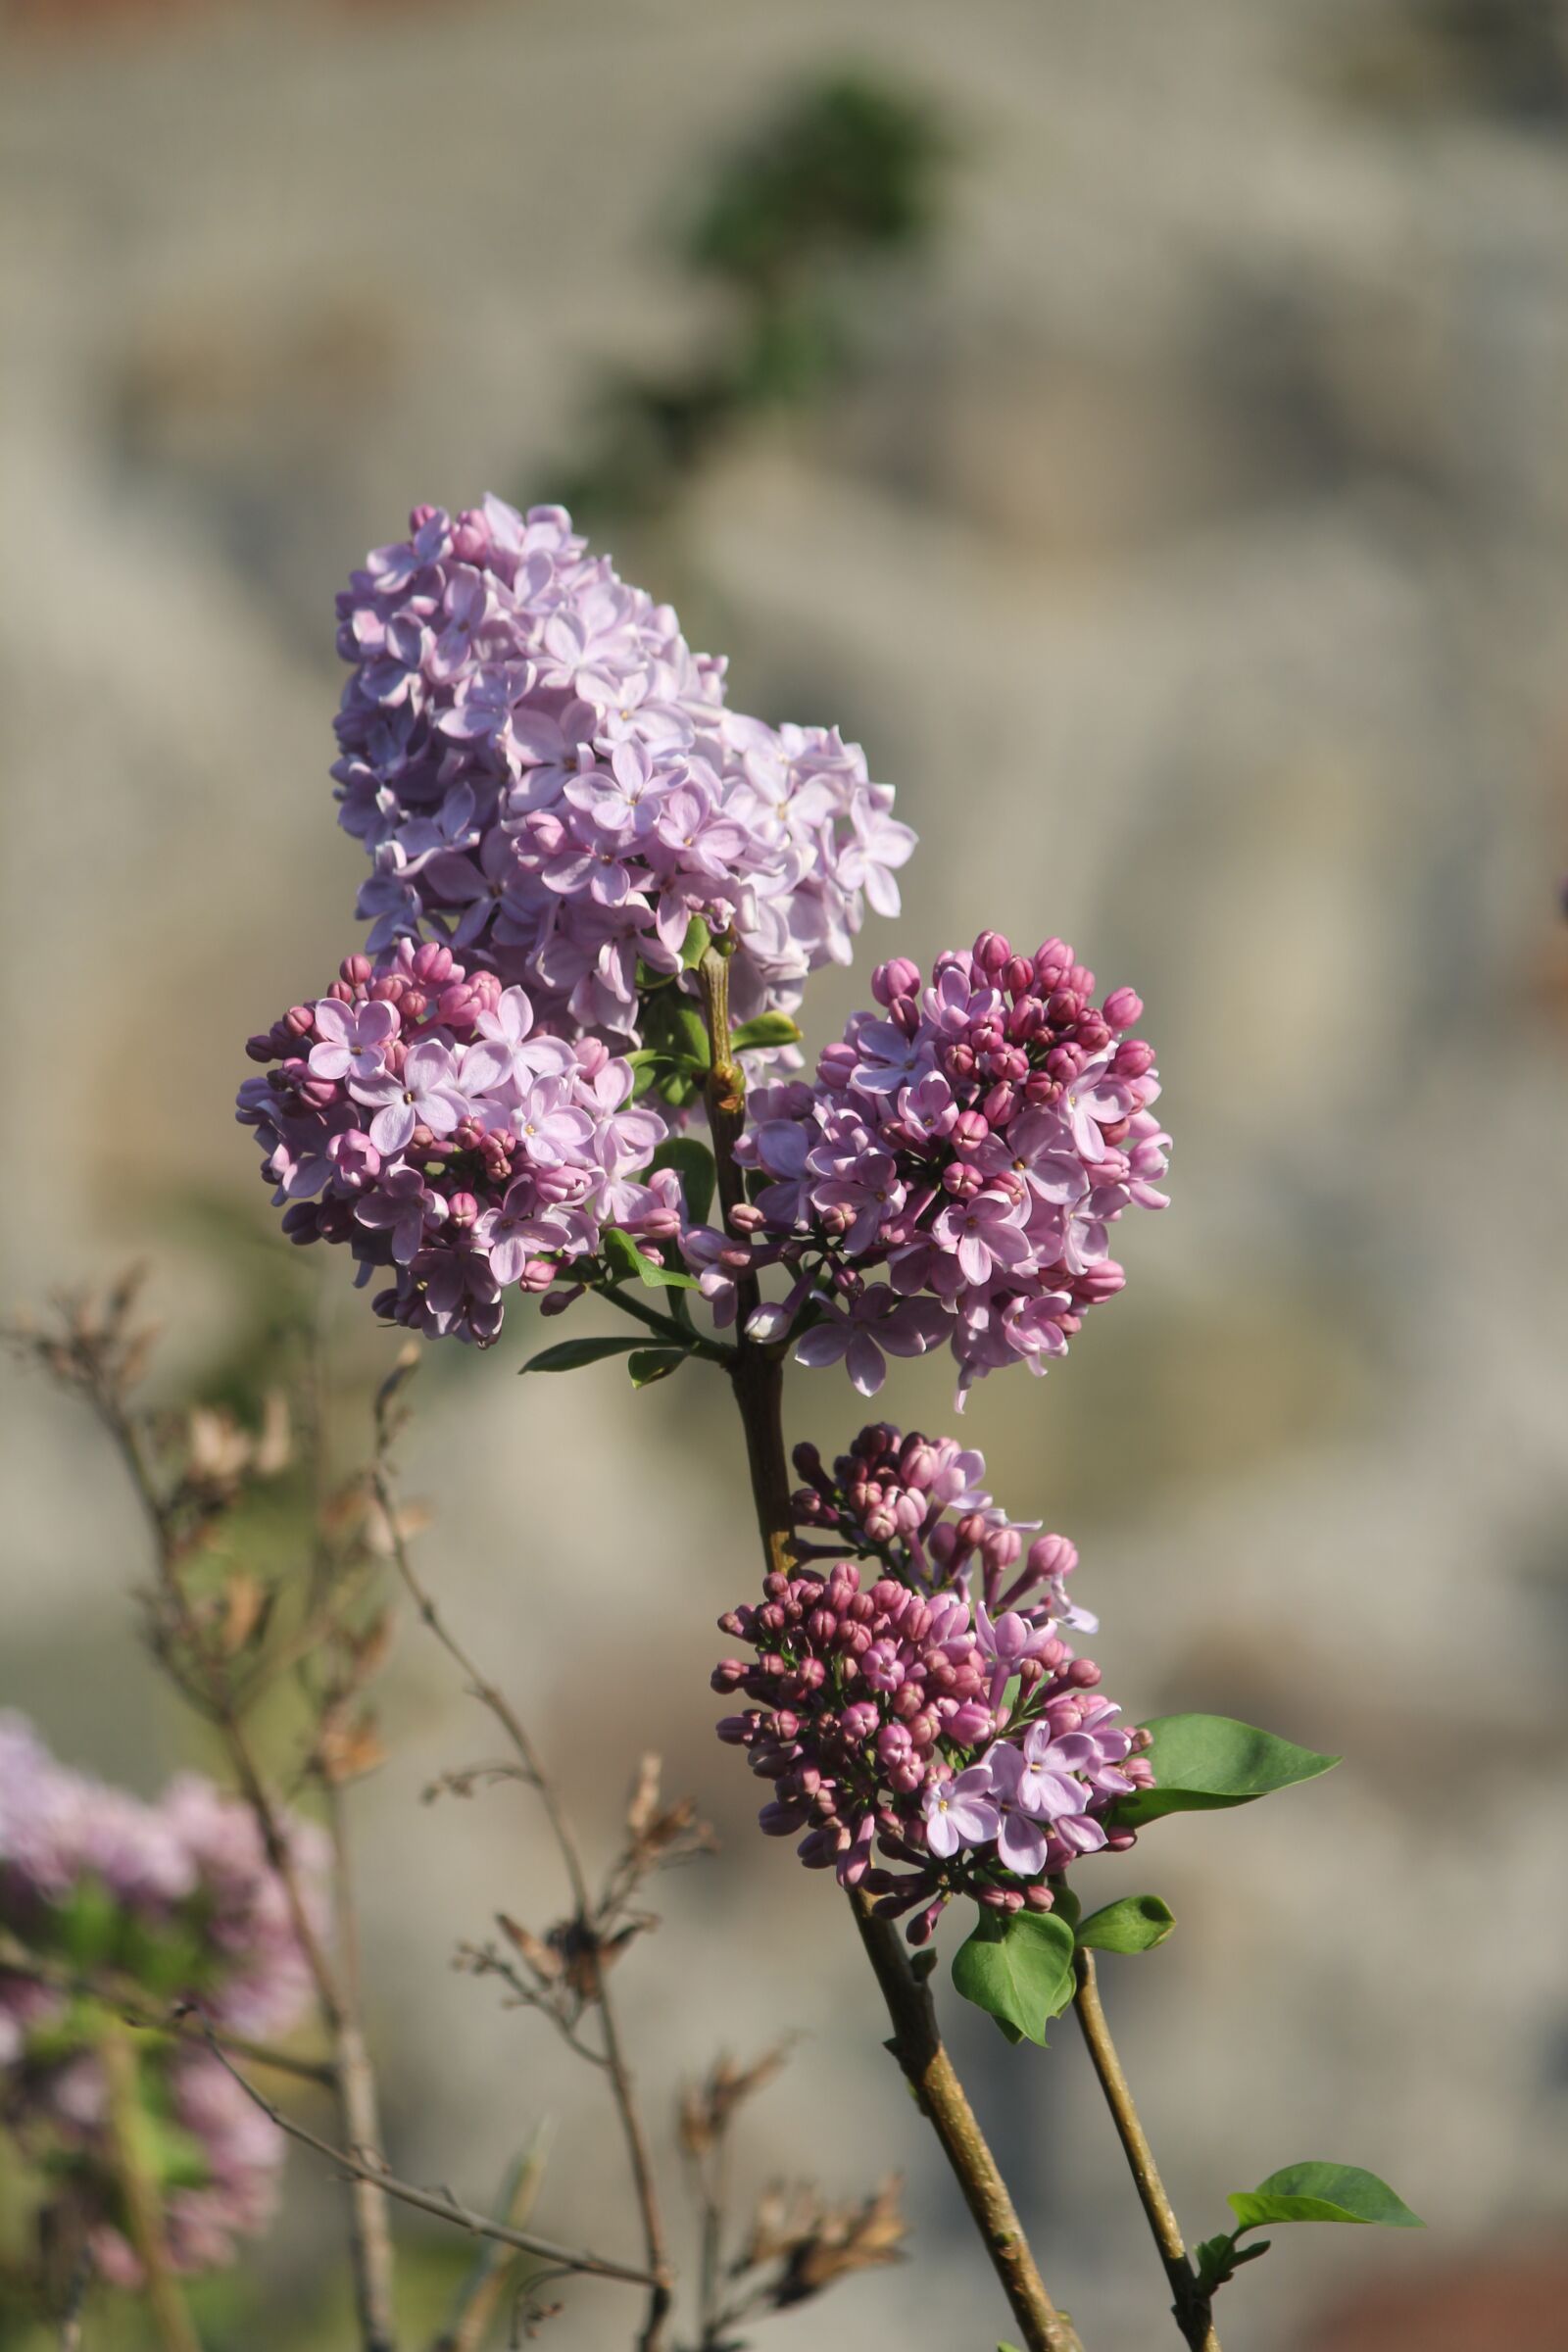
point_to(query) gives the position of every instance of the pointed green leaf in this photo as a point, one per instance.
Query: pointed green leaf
(767, 1030)
(570, 1353)
(1203, 1763)
(694, 1163)
(649, 1364)
(1018, 1969)
(623, 1257)
(1134, 1925)
(1322, 2193)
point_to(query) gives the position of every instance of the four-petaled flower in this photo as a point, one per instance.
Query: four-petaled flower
(426, 1093)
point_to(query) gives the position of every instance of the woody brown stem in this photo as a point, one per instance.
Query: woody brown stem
(757, 1376)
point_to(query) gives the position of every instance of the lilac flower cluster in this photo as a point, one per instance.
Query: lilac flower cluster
(944, 1725)
(419, 1114)
(545, 777)
(917, 1504)
(977, 1138)
(180, 1899)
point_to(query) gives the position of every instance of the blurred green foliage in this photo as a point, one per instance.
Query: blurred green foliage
(846, 176)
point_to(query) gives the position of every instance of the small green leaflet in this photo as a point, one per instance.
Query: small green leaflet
(623, 1257)
(1134, 1925)
(649, 1364)
(1321, 2193)
(1203, 1763)
(1018, 1969)
(571, 1353)
(769, 1029)
(694, 1164)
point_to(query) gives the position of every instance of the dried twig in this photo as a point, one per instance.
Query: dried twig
(439, 2202)
(102, 1357)
(588, 1919)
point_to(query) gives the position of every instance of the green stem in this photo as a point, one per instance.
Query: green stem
(678, 1333)
(144, 2221)
(1190, 2305)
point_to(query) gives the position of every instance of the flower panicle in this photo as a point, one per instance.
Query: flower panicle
(970, 1146)
(927, 1732)
(422, 1116)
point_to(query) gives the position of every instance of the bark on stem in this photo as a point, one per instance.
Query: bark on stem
(757, 1375)
(1190, 2305)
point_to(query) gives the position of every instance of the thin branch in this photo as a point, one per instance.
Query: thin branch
(757, 1376)
(1190, 2305)
(370, 2246)
(116, 1993)
(621, 2080)
(439, 2202)
(371, 2238)
(70, 2318)
(678, 1334)
(144, 2219)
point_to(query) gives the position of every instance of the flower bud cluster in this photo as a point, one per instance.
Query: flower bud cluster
(417, 1113)
(178, 1897)
(917, 1504)
(922, 1741)
(544, 774)
(976, 1139)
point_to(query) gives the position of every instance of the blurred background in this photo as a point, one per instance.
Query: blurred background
(1144, 429)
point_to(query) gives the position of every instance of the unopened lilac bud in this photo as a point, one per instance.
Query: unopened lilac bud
(1123, 1008)
(746, 1217)
(897, 977)
(1051, 1556)
(992, 953)
(1100, 1283)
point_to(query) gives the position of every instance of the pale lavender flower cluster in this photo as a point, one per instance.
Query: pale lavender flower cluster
(419, 1114)
(955, 1736)
(544, 775)
(178, 1899)
(973, 1142)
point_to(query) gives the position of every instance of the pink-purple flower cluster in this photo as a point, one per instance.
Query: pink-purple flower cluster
(973, 1142)
(919, 1505)
(419, 1114)
(546, 776)
(176, 1899)
(941, 1724)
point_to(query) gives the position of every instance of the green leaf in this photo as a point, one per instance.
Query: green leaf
(1322, 2193)
(769, 1029)
(570, 1353)
(696, 944)
(694, 1163)
(1218, 2259)
(85, 1926)
(622, 1255)
(1203, 1763)
(649, 1364)
(1134, 1925)
(1018, 1969)
(674, 1027)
